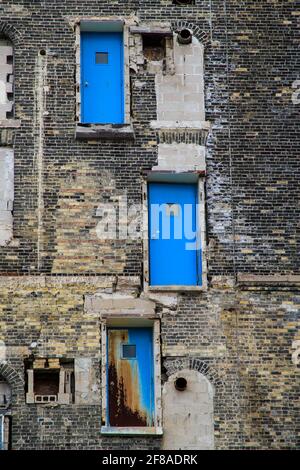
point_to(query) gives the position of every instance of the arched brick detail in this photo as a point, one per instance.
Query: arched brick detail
(11, 32)
(201, 35)
(197, 364)
(12, 377)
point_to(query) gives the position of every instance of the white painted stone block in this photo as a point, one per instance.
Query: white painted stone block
(188, 80)
(180, 157)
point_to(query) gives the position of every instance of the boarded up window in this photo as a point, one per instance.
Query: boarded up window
(130, 377)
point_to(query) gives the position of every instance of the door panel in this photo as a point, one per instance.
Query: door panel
(102, 78)
(174, 259)
(130, 377)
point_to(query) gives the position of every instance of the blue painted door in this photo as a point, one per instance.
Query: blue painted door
(102, 78)
(174, 255)
(130, 377)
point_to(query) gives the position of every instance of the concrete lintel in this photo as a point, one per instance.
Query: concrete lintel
(104, 131)
(166, 31)
(269, 280)
(123, 305)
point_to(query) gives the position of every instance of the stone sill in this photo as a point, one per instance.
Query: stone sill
(175, 288)
(131, 431)
(255, 280)
(10, 123)
(104, 131)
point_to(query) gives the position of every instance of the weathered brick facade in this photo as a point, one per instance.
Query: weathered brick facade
(240, 333)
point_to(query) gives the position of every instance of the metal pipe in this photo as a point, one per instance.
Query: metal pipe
(185, 36)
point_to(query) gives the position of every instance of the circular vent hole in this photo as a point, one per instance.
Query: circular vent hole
(180, 384)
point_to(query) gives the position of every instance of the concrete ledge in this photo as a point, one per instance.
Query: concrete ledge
(117, 306)
(104, 131)
(132, 431)
(269, 280)
(195, 125)
(9, 123)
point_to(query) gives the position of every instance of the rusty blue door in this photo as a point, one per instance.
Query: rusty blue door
(130, 377)
(102, 78)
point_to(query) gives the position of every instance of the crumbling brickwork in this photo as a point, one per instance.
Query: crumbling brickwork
(240, 333)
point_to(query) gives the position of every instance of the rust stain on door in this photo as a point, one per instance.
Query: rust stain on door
(128, 394)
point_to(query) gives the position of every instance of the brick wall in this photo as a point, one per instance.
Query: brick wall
(243, 335)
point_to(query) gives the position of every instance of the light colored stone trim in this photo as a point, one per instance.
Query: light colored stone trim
(109, 283)
(185, 350)
(189, 125)
(10, 123)
(269, 280)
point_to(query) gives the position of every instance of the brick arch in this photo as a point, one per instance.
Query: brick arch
(11, 376)
(11, 32)
(201, 35)
(194, 363)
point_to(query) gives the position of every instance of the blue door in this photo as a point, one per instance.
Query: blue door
(1, 432)
(174, 255)
(102, 78)
(130, 377)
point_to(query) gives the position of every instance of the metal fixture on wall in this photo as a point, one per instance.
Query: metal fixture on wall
(185, 36)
